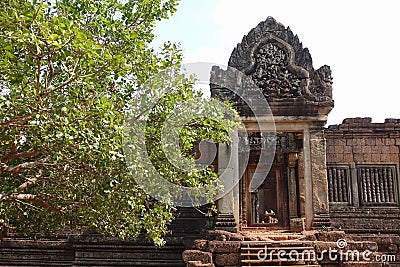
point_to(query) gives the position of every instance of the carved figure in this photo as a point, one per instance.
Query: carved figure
(270, 217)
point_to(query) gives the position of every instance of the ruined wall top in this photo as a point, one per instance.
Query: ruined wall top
(362, 127)
(274, 58)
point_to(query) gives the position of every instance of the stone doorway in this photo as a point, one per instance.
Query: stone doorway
(266, 205)
(277, 200)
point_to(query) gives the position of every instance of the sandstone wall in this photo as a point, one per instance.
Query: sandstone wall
(363, 175)
(361, 141)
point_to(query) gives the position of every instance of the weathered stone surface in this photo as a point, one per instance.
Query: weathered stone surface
(309, 237)
(230, 259)
(224, 246)
(318, 167)
(251, 238)
(229, 236)
(324, 246)
(393, 249)
(201, 244)
(193, 263)
(369, 245)
(198, 264)
(297, 225)
(396, 240)
(330, 236)
(197, 255)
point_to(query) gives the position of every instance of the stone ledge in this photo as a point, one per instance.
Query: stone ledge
(197, 255)
(230, 259)
(224, 246)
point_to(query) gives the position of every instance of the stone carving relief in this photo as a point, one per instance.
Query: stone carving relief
(271, 73)
(321, 84)
(274, 58)
(256, 141)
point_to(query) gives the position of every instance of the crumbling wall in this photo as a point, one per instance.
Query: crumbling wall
(217, 248)
(359, 140)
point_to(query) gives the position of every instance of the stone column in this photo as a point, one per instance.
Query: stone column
(308, 194)
(228, 171)
(318, 170)
(292, 185)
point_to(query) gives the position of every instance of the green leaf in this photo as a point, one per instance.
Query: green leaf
(90, 70)
(9, 55)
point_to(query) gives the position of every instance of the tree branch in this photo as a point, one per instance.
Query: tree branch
(52, 73)
(38, 80)
(23, 186)
(73, 77)
(21, 119)
(28, 197)
(25, 165)
(13, 155)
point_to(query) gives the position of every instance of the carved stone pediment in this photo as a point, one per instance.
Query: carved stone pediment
(278, 63)
(273, 70)
(275, 60)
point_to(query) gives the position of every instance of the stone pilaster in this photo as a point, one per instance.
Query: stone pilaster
(318, 170)
(228, 171)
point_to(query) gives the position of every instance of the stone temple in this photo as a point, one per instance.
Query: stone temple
(326, 188)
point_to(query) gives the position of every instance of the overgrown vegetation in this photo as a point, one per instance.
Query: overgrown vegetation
(68, 68)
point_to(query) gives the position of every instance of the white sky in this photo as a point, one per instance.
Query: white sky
(359, 39)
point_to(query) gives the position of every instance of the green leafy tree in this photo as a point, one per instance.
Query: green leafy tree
(69, 69)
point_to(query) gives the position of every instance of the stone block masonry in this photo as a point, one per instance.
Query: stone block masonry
(363, 175)
(360, 141)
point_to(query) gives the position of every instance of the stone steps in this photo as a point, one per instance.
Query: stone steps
(321, 221)
(278, 253)
(225, 222)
